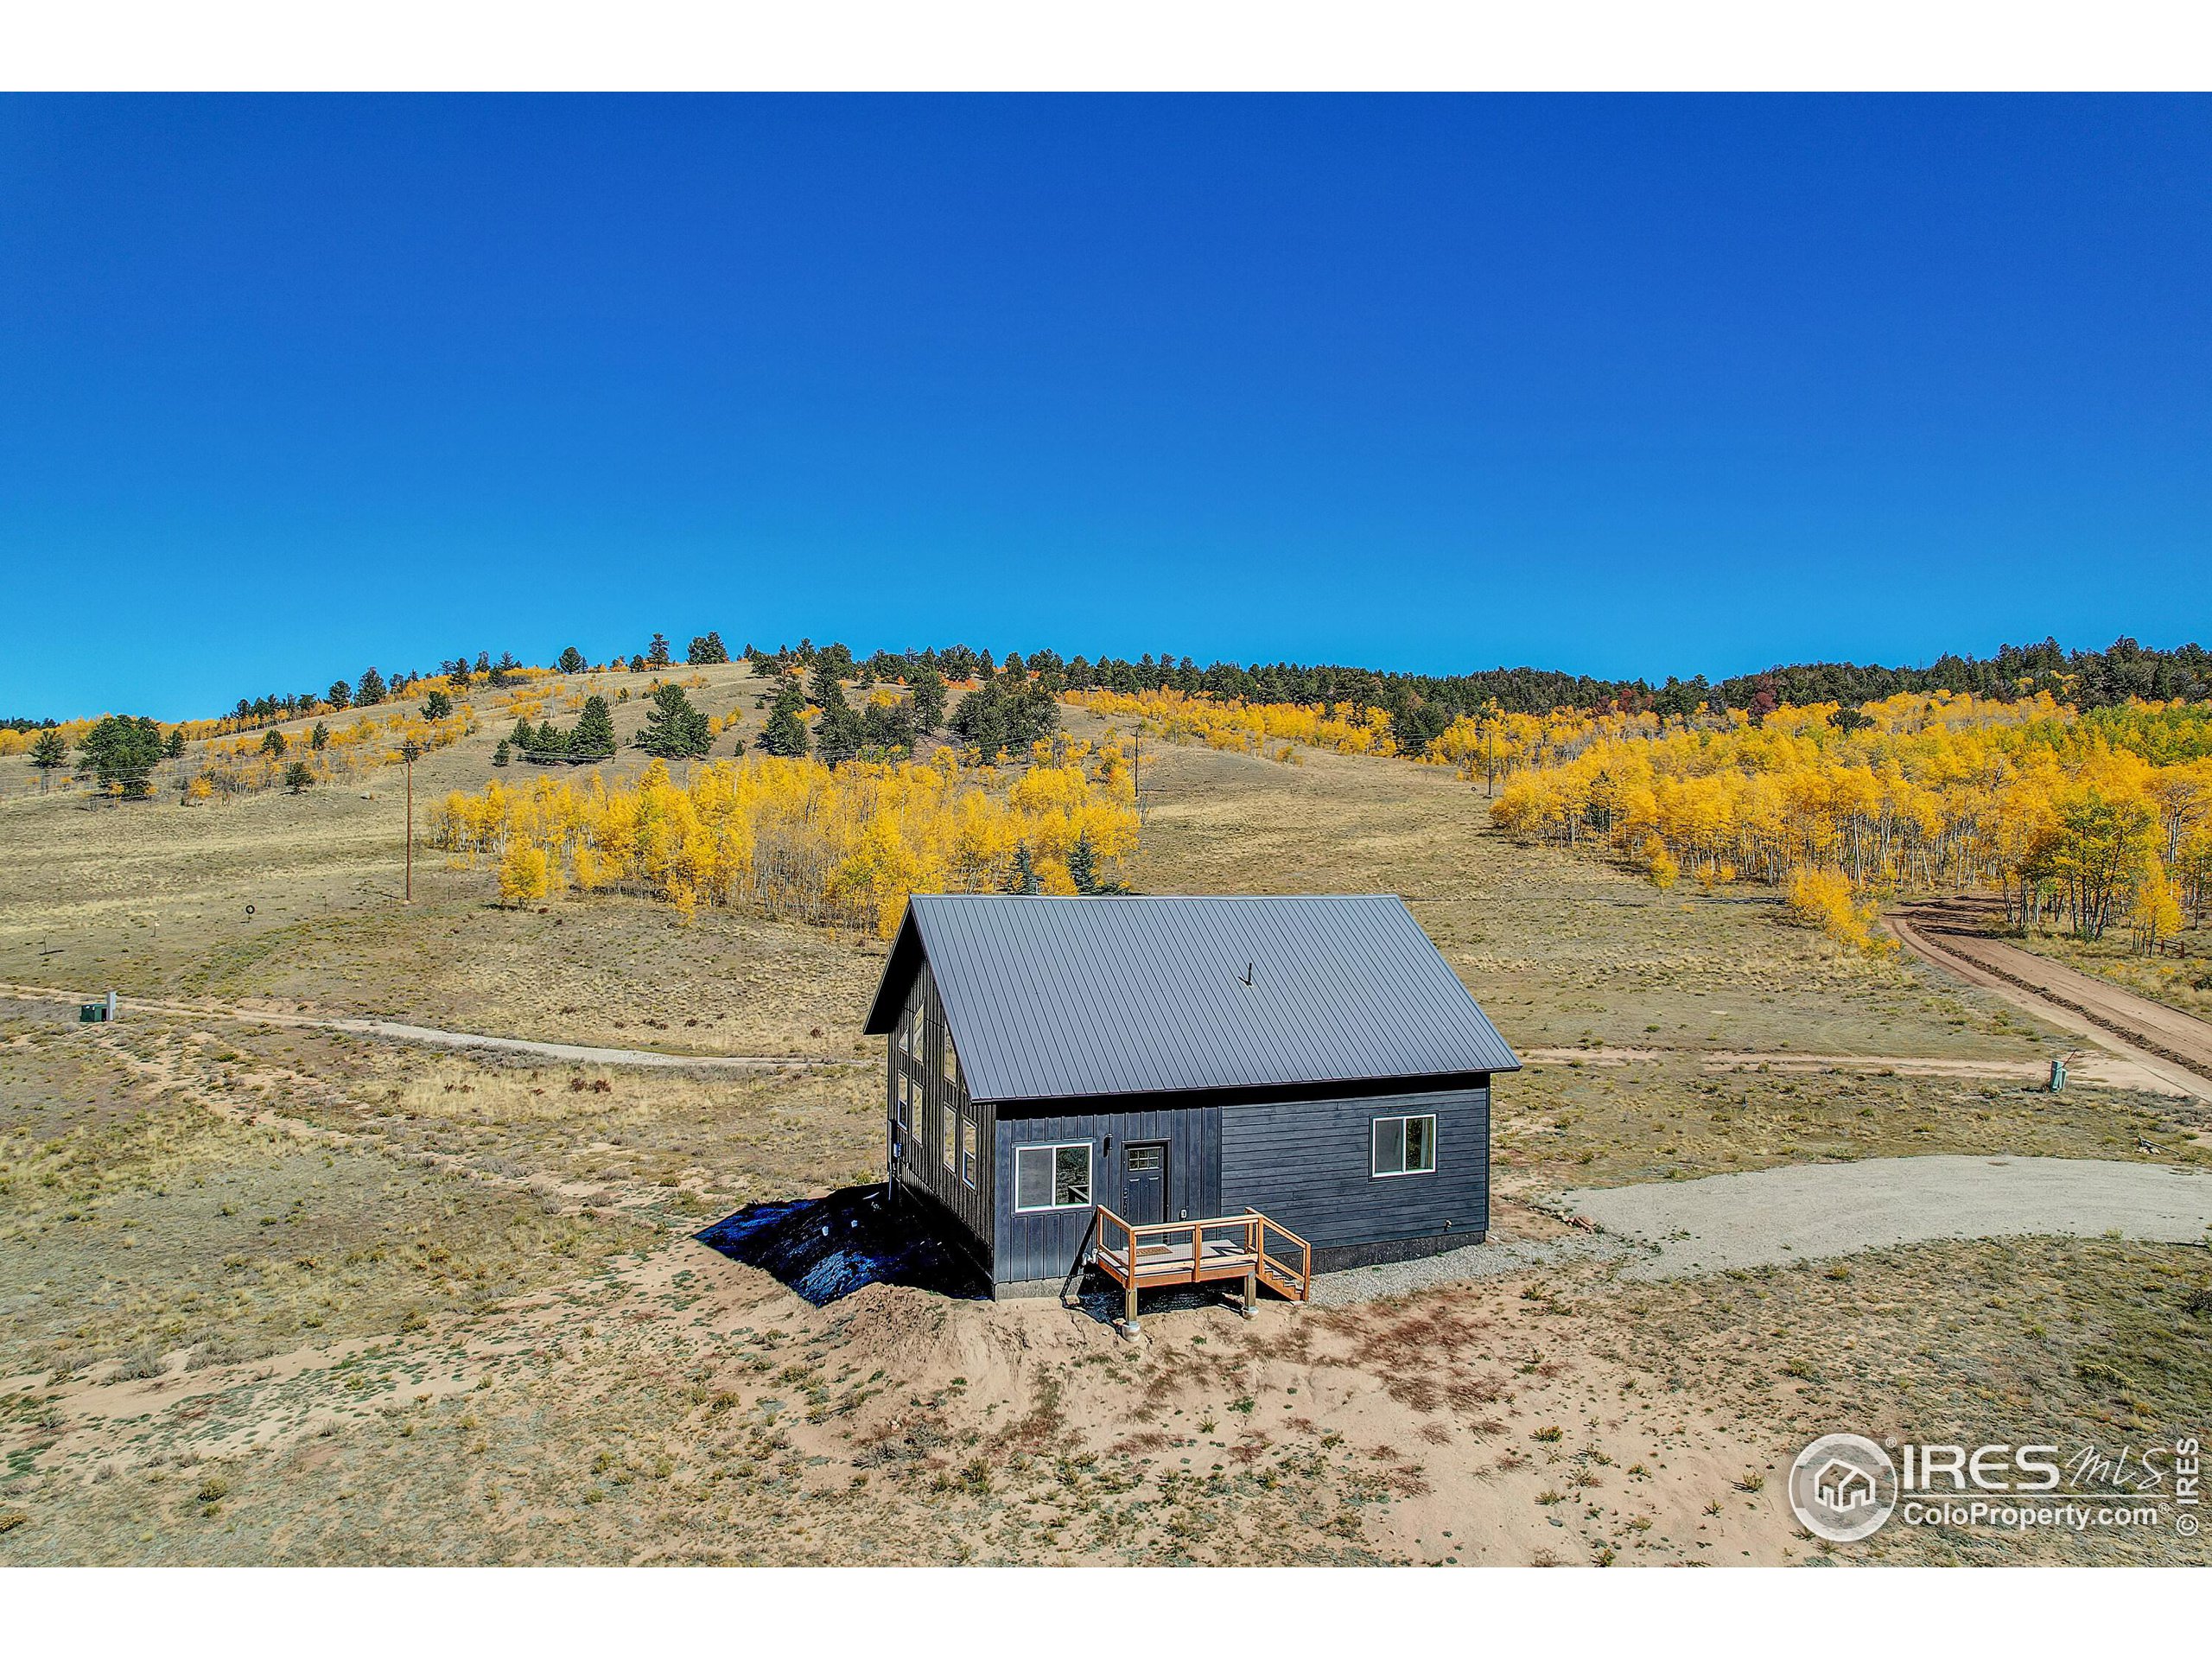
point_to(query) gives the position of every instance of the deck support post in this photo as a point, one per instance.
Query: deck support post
(1130, 1301)
(1251, 1294)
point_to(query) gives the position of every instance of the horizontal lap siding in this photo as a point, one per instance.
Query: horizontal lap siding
(1045, 1245)
(1306, 1164)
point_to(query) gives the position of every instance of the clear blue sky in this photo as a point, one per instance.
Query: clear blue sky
(1618, 385)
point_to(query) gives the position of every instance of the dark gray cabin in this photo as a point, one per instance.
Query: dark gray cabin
(1174, 1060)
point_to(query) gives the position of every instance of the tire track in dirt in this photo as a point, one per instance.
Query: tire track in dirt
(2108, 1070)
(2171, 1044)
(396, 1030)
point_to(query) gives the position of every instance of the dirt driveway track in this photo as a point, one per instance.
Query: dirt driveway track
(1949, 932)
(394, 1031)
(1812, 1211)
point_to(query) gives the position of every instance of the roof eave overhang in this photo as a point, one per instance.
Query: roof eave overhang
(891, 986)
(1302, 1089)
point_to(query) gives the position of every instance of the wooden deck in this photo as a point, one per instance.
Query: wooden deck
(1248, 1247)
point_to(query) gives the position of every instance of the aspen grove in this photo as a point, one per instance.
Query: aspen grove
(2089, 820)
(793, 839)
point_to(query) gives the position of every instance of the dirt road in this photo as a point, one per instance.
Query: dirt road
(394, 1031)
(1949, 932)
(2108, 1071)
(1812, 1211)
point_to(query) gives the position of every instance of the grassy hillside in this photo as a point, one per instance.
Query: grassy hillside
(282, 1294)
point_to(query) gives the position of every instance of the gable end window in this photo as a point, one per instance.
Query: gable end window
(1051, 1177)
(1405, 1146)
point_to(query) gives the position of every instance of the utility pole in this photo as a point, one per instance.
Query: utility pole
(408, 752)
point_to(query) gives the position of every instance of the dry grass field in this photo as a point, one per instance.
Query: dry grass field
(280, 1294)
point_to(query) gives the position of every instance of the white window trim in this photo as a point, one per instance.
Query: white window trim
(1090, 1176)
(1373, 1124)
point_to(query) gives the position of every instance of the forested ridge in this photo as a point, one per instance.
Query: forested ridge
(1419, 705)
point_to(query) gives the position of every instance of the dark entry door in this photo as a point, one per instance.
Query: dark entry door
(1144, 1182)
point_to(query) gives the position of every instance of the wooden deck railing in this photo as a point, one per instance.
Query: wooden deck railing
(1143, 1255)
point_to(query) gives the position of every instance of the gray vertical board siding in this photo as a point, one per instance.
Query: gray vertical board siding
(1055, 999)
(1045, 1245)
(1306, 1165)
(922, 1166)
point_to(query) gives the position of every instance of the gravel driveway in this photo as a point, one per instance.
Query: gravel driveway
(1810, 1211)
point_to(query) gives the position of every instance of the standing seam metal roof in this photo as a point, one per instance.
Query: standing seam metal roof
(1051, 998)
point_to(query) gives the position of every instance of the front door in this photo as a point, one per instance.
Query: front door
(1144, 1182)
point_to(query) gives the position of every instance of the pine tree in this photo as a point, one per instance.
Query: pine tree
(786, 733)
(175, 748)
(340, 693)
(1083, 864)
(1025, 872)
(436, 706)
(299, 777)
(657, 652)
(122, 750)
(572, 660)
(48, 751)
(371, 691)
(706, 649)
(1005, 715)
(273, 743)
(886, 730)
(838, 733)
(499, 753)
(594, 738)
(673, 729)
(318, 739)
(926, 689)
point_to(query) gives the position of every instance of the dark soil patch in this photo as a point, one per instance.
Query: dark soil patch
(831, 1247)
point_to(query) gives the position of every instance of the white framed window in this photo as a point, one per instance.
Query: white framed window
(966, 1148)
(1051, 1177)
(902, 1102)
(1405, 1146)
(948, 1126)
(951, 1059)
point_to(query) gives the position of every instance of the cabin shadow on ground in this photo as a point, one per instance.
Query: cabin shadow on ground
(829, 1247)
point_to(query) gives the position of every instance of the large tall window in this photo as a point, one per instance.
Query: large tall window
(1051, 1177)
(1405, 1146)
